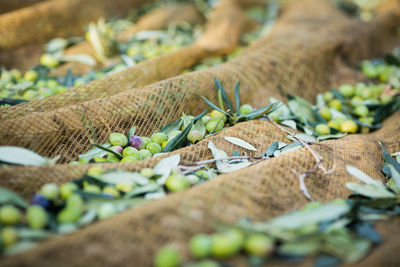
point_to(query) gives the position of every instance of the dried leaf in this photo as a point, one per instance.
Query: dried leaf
(240, 142)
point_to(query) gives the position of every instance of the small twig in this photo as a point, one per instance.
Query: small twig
(317, 157)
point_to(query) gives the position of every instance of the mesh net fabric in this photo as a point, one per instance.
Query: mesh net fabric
(312, 47)
(24, 31)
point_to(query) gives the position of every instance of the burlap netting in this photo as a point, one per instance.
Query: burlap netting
(7, 6)
(157, 19)
(297, 58)
(221, 36)
(24, 31)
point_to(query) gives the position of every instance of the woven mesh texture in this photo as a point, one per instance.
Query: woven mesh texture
(312, 48)
(7, 6)
(155, 20)
(221, 36)
(24, 31)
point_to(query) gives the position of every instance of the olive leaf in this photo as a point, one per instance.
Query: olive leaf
(289, 123)
(143, 190)
(95, 152)
(19, 247)
(87, 218)
(371, 188)
(294, 220)
(395, 176)
(302, 109)
(9, 197)
(240, 142)
(214, 106)
(32, 234)
(131, 132)
(237, 96)
(165, 166)
(106, 149)
(173, 126)
(388, 158)
(80, 58)
(305, 137)
(123, 177)
(218, 154)
(21, 156)
(331, 136)
(235, 167)
(178, 141)
(271, 149)
(261, 111)
(224, 96)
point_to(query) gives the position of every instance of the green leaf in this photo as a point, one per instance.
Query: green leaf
(143, 190)
(305, 137)
(261, 111)
(271, 149)
(331, 136)
(173, 126)
(95, 152)
(200, 127)
(20, 156)
(386, 110)
(218, 154)
(87, 218)
(302, 109)
(235, 167)
(214, 106)
(220, 100)
(123, 177)
(240, 142)
(289, 123)
(200, 116)
(80, 58)
(223, 93)
(360, 175)
(32, 234)
(131, 132)
(179, 140)
(370, 190)
(324, 213)
(237, 96)
(395, 176)
(389, 159)
(165, 166)
(20, 247)
(119, 156)
(9, 197)
(302, 247)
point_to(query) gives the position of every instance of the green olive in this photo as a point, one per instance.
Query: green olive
(325, 113)
(356, 101)
(129, 159)
(69, 215)
(349, 126)
(223, 246)
(322, 129)
(336, 104)
(147, 172)
(215, 114)
(9, 215)
(124, 188)
(48, 61)
(30, 75)
(245, 109)
(167, 257)
(91, 188)
(347, 90)
(259, 245)
(175, 183)
(328, 96)
(131, 152)
(215, 125)
(36, 217)
(109, 190)
(206, 119)
(118, 139)
(67, 189)
(106, 211)
(50, 191)
(95, 171)
(154, 148)
(75, 201)
(195, 136)
(159, 138)
(9, 236)
(144, 153)
(200, 246)
(361, 111)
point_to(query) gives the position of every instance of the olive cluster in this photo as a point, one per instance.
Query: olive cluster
(54, 206)
(220, 246)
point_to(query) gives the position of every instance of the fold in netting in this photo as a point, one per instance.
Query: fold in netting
(312, 47)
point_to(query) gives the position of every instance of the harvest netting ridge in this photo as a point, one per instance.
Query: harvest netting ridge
(312, 47)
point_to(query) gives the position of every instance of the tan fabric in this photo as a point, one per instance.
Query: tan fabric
(312, 48)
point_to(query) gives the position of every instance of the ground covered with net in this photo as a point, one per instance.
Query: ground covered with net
(313, 47)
